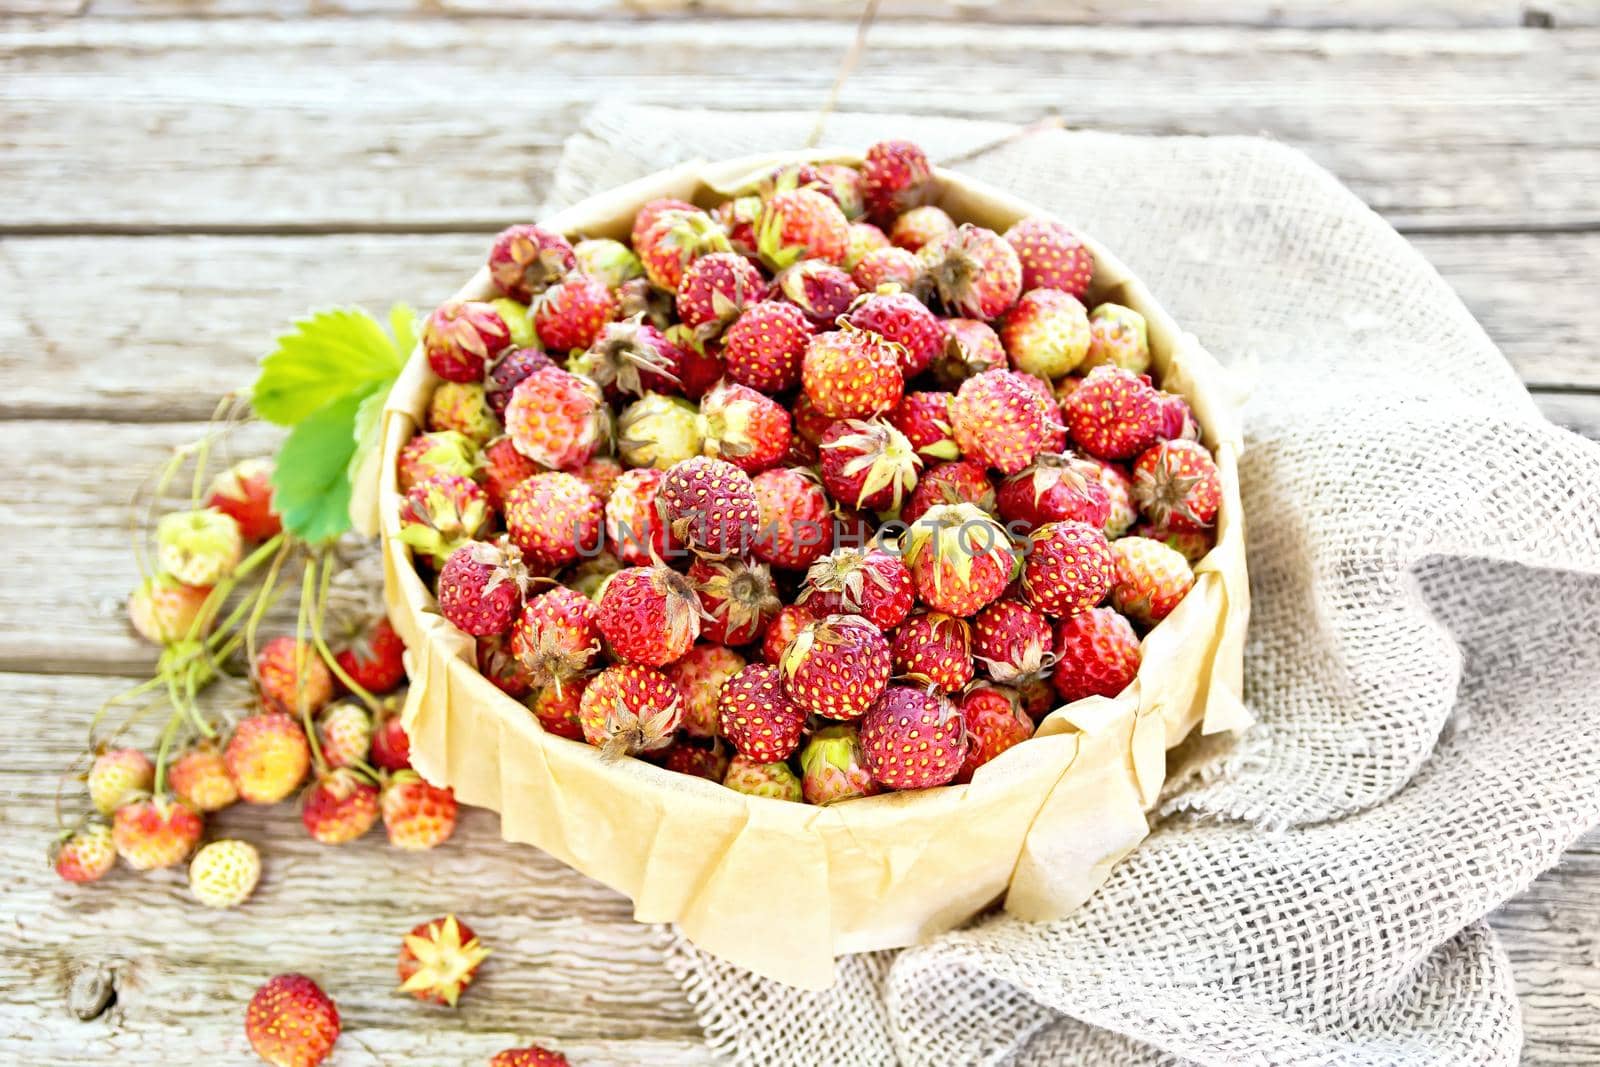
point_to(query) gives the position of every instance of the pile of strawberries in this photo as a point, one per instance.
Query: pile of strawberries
(816, 493)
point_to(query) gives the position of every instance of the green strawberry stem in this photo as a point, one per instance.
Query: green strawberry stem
(265, 602)
(307, 586)
(169, 733)
(120, 698)
(317, 617)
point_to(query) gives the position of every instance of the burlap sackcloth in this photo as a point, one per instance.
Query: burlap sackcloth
(1425, 569)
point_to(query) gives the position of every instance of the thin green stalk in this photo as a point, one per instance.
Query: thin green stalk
(264, 602)
(307, 586)
(318, 616)
(168, 735)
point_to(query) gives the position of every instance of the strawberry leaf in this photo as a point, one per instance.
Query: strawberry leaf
(328, 357)
(311, 480)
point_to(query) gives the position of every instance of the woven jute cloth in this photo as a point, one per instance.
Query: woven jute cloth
(1425, 572)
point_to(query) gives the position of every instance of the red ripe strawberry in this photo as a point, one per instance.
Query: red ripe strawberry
(950, 483)
(244, 493)
(649, 615)
(633, 357)
(820, 290)
(1119, 494)
(629, 709)
(995, 721)
(810, 423)
(895, 175)
(744, 427)
(501, 666)
(913, 739)
(1054, 488)
(868, 464)
(557, 707)
(673, 240)
(925, 420)
(1097, 654)
(291, 676)
(526, 260)
(1177, 486)
(291, 1022)
(391, 748)
(970, 348)
(155, 832)
(834, 767)
(700, 676)
(442, 513)
(512, 367)
(710, 505)
(1177, 419)
(1119, 336)
(571, 313)
(652, 211)
(703, 761)
(461, 337)
(801, 224)
(737, 599)
(1012, 640)
(904, 319)
(416, 814)
(790, 620)
(1069, 568)
(268, 757)
(532, 1056)
(200, 779)
(1002, 421)
(1046, 333)
(1052, 257)
(864, 237)
(503, 468)
(428, 455)
(1114, 414)
(86, 855)
(438, 960)
(557, 419)
(795, 524)
(1151, 579)
(634, 530)
(1037, 698)
(836, 667)
(553, 518)
(739, 217)
(339, 807)
(887, 266)
(766, 345)
(852, 374)
(481, 587)
(935, 648)
(373, 657)
(973, 271)
(960, 558)
(556, 638)
(756, 716)
(840, 181)
(868, 582)
(715, 290)
(697, 366)
(920, 225)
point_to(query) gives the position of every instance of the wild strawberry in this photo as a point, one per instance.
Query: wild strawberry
(1068, 568)
(887, 266)
(924, 418)
(163, 609)
(841, 182)
(961, 481)
(631, 356)
(703, 761)
(773, 780)
(1046, 333)
(764, 347)
(224, 873)
(1097, 654)
(995, 721)
(438, 960)
(836, 667)
(1114, 414)
(649, 615)
(700, 675)
(822, 291)
(744, 427)
(1012, 641)
(1054, 488)
(833, 767)
(913, 739)
(430, 455)
(634, 529)
(902, 318)
(795, 522)
(391, 748)
(651, 212)
(198, 547)
(344, 733)
(756, 716)
(970, 348)
(790, 620)
(373, 657)
(863, 238)
(868, 582)
(417, 814)
(801, 224)
(868, 464)
(673, 240)
(737, 599)
(119, 776)
(809, 423)
(442, 513)
(557, 419)
(518, 318)
(715, 289)
(291, 677)
(87, 855)
(339, 807)
(557, 708)
(1177, 419)
(508, 371)
(697, 365)
(554, 519)
(1119, 495)
(526, 260)
(243, 492)
(501, 666)
(935, 648)
(973, 271)
(267, 757)
(628, 709)
(1177, 486)
(611, 261)
(461, 337)
(555, 639)
(917, 227)
(710, 505)
(571, 313)
(155, 832)
(1052, 257)
(960, 558)
(658, 431)
(1192, 545)
(1118, 337)
(532, 1056)
(1151, 579)
(1001, 421)
(895, 176)
(464, 408)
(481, 587)
(201, 780)
(291, 1022)
(738, 217)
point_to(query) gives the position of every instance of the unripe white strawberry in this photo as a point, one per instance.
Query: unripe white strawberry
(225, 873)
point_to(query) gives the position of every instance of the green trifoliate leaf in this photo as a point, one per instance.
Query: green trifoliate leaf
(328, 357)
(311, 480)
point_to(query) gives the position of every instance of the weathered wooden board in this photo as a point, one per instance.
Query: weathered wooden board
(258, 124)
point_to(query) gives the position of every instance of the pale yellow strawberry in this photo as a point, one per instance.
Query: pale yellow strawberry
(225, 873)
